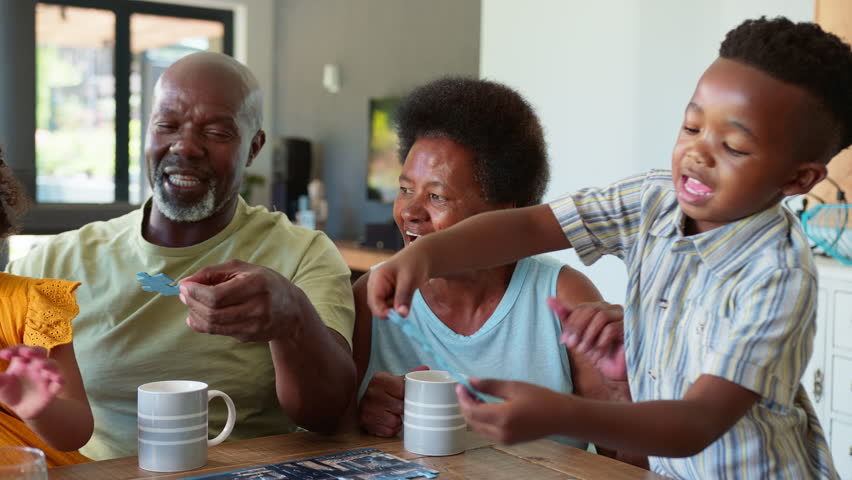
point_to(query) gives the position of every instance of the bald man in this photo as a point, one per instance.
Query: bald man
(265, 309)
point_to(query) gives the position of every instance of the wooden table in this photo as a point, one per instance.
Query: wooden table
(539, 460)
(360, 258)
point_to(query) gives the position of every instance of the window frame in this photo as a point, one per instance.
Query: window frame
(52, 218)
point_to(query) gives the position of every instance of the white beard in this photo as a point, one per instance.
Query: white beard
(203, 209)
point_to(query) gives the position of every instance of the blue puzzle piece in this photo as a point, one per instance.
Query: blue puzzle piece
(413, 332)
(158, 283)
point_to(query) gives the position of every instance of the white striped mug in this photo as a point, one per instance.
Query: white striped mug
(432, 420)
(172, 424)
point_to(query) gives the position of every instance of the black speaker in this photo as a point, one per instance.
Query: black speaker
(383, 235)
(291, 172)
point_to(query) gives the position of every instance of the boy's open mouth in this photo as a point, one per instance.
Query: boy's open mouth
(692, 191)
(695, 187)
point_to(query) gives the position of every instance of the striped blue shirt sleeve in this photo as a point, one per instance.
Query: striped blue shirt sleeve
(600, 221)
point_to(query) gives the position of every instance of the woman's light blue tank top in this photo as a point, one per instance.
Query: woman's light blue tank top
(520, 341)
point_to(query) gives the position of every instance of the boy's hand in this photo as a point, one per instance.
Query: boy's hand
(596, 330)
(381, 408)
(31, 382)
(527, 412)
(392, 284)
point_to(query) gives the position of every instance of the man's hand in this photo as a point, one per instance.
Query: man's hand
(597, 331)
(381, 408)
(527, 412)
(32, 381)
(240, 300)
(314, 371)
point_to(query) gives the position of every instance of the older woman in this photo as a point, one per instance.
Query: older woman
(471, 146)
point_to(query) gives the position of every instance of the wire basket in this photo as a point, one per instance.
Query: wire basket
(830, 228)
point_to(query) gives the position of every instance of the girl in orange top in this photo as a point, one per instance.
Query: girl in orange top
(42, 400)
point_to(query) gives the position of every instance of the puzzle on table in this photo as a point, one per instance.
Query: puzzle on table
(363, 464)
(413, 332)
(159, 283)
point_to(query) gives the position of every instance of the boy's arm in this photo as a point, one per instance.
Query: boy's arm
(670, 428)
(497, 238)
(492, 239)
(482, 241)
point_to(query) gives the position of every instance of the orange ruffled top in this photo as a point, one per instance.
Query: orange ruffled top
(37, 313)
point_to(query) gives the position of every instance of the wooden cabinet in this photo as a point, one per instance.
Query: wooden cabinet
(814, 378)
(841, 432)
(828, 378)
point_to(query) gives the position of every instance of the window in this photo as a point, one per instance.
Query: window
(153, 52)
(96, 65)
(75, 105)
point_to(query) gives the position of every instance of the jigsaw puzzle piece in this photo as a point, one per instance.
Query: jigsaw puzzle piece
(159, 283)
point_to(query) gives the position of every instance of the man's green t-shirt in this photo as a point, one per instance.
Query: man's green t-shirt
(125, 337)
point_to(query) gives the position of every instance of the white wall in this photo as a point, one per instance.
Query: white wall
(384, 48)
(610, 80)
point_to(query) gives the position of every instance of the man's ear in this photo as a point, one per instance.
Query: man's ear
(807, 175)
(257, 143)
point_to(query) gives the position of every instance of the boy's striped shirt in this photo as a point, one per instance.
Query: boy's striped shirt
(738, 302)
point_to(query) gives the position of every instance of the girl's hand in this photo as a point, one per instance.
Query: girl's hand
(597, 331)
(31, 382)
(528, 411)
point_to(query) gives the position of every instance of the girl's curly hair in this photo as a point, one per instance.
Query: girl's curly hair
(13, 200)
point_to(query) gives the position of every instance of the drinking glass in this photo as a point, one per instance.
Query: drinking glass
(22, 463)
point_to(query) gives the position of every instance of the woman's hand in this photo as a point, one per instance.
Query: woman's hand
(381, 408)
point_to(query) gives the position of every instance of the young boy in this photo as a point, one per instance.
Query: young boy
(718, 324)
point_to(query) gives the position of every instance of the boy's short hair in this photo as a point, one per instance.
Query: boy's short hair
(489, 119)
(13, 200)
(802, 54)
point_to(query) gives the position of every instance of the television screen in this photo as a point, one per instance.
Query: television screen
(384, 165)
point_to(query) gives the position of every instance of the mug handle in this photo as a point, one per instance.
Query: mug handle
(232, 416)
